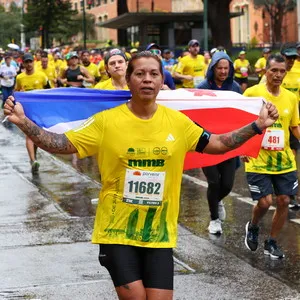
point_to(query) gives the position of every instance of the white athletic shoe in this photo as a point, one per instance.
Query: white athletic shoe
(221, 211)
(215, 227)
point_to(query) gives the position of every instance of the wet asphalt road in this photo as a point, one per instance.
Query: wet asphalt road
(73, 189)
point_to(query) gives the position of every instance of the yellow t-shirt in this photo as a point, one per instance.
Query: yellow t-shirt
(260, 64)
(241, 64)
(60, 65)
(141, 171)
(291, 82)
(296, 67)
(195, 67)
(107, 85)
(35, 81)
(51, 74)
(94, 71)
(102, 71)
(276, 161)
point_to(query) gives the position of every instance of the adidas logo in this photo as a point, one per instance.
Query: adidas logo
(170, 138)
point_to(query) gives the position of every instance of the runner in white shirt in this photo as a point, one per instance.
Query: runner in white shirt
(8, 72)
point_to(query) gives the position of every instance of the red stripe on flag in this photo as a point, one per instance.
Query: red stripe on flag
(221, 120)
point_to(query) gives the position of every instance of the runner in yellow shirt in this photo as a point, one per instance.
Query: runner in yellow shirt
(30, 80)
(103, 75)
(136, 219)
(92, 68)
(191, 68)
(241, 70)
(48, 69)
(274, 170)
(296, 66)
(291, 82)
(115, 66)
(260, 65)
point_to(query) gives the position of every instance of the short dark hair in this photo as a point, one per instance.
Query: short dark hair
(277, 57)
(142, 54)
(44, 54)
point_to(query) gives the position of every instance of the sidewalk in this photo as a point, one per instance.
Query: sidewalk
(46, 254)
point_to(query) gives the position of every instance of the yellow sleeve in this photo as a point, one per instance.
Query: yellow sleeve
(295, 117)
(88, 136)
(18, 84)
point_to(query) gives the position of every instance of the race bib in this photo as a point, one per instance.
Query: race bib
(144, 187)
(273, 140)
(197, 80)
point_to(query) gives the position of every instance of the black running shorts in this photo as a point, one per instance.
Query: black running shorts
(126, 264)
(261, 185)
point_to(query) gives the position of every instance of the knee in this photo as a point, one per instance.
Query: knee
(265, 202)
(282, 201)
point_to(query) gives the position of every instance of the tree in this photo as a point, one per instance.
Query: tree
(77, 27)
(50, 18)
(10, 25)
(276, 10)
(218, 15)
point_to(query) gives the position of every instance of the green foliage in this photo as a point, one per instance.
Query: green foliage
(10, 26)
(253, 42)
(49, 18)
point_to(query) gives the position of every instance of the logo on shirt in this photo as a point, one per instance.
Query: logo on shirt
(146, 162)
(170, 138)
(162, 150)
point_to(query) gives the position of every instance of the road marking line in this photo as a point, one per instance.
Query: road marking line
(295, 221)
(184, 265)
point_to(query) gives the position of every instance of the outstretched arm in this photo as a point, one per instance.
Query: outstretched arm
(221, 143)
(49, 141)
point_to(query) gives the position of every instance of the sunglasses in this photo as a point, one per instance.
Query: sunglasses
(155, 51)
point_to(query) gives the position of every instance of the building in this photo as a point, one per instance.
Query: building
(253, 26)
(105, 10)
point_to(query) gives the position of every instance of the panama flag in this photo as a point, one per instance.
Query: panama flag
(61, 109)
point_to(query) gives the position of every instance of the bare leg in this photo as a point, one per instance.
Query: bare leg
(260, 209)
(158, 294)
(132, 291)
(31, 149)
(280, 215)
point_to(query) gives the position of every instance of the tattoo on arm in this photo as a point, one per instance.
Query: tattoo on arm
(49, 141)
(126, 286)
(236, 138)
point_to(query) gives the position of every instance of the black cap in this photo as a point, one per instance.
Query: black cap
(28, 56)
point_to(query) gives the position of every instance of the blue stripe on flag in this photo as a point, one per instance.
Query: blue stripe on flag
(49, 107)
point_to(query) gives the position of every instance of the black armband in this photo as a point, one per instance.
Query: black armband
(203, 141)
(255, 128)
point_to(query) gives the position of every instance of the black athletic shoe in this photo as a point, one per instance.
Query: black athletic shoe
(251, 238)
(272, 249)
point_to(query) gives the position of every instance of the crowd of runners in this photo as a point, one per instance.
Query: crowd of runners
(144, 73)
